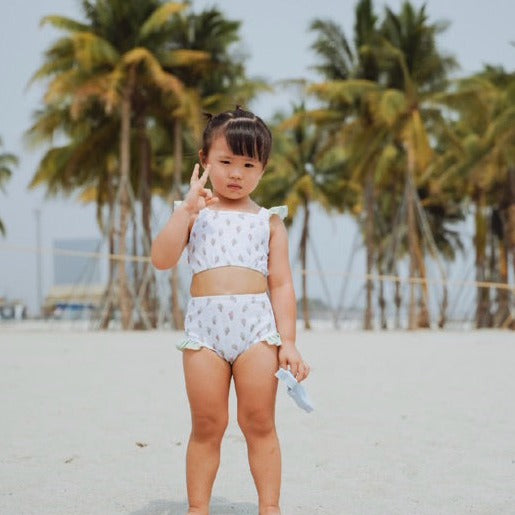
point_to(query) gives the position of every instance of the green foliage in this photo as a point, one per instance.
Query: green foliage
(304, 168)
(385, 88)
(176, 62)
(8, 161)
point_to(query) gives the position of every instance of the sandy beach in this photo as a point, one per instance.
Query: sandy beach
(405, 423)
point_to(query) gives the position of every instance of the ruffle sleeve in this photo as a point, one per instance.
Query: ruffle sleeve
(281, 211)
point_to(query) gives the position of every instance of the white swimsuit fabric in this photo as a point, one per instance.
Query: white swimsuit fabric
(229, 324)
(231, 238)
(225, 238)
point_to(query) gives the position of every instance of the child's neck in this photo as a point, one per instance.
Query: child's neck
(243, 204)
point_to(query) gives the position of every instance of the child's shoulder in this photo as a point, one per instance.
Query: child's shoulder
(281, 212)
(276, 216)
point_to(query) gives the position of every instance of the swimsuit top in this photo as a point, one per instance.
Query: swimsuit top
(231, 238)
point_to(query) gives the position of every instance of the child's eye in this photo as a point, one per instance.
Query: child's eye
(249, 165)
(224, 162)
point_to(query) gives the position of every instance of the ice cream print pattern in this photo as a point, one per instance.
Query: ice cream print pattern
(222, 238)
(231, 238)
(229, 324)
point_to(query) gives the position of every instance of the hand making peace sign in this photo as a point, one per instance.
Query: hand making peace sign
(198, 197)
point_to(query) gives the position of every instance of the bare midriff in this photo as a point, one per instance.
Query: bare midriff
(228, 280)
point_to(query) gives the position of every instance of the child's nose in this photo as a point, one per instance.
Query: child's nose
(235, 172)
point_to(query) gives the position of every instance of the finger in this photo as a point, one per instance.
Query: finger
(294, 368)
(213, 200)
(283, 363)
(304, 372)
(194, 175)
(205, 175)
(203, 192)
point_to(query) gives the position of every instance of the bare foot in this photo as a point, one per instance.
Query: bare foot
(270, 510)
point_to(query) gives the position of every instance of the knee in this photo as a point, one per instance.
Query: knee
(256, 422)
(209, 427)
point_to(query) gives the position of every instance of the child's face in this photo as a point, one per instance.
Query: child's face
(231, 176)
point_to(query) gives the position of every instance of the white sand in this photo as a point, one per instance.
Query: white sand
(406, 423)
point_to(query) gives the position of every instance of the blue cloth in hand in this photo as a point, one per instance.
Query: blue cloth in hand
(295, 390)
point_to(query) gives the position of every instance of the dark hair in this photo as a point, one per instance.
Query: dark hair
(246, 134)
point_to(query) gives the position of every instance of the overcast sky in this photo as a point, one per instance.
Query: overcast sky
(275, 35)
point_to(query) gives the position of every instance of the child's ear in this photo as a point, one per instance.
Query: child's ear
(202, 158)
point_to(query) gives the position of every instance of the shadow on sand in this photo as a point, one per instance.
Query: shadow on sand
(219, 506)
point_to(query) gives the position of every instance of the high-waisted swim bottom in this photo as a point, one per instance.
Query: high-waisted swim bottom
(229, 324)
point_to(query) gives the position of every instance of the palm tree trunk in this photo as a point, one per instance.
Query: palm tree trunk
(398, 303)
(382, 300)
(177, 313)
(415, 252)
(443, 308)
(492, 265)
(510, 239)
(412, 243)
(134, 267)
(510, 236)
(483, 294)
(423, 314)
(125, 135)
(369, 237)
(503, 298)
(148, 303)
(104, 323)
(303, 259)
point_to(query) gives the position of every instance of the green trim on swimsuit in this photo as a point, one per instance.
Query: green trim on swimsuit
(274, 339)
(188, 343)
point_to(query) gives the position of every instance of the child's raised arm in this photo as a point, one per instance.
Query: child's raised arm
(167, 247)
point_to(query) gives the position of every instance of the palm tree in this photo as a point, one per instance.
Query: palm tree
(340, 63)
(7, 162)
(210, 81)
(109, 61)
(301, 172)
(391, 114)
(482, 159)
(415, 70)
(142, 66)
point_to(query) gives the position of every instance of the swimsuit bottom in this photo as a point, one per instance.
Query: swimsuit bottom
(229, 324)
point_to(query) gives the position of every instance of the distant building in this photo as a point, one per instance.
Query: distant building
(70, 301)
(78, 286)
(12, 309)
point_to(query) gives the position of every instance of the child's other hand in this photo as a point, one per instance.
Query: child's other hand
(198, 197)
(289, 357)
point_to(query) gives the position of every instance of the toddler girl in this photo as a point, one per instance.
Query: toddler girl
(240, 320)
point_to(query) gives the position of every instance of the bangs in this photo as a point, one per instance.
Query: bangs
(246, 138)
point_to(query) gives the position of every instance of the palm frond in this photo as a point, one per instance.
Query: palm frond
(64, 23)
(159, 18)
(166, 81)
(344, 92)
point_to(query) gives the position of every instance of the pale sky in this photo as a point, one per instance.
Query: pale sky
(275, 35)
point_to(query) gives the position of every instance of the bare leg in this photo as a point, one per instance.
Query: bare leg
(207, 379)
(256, 388)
